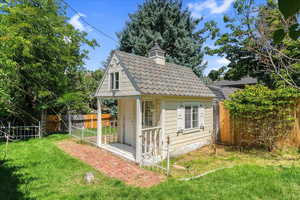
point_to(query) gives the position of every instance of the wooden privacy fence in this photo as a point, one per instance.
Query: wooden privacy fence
(56, 123)
(230, 129)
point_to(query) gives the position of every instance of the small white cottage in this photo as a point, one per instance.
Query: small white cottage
(160, 104)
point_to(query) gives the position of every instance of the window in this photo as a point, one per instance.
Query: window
(148, 113)
(191, 117)
(114, 80)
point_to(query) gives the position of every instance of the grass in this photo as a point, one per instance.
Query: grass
(202, 160)
(37, 169)
(93, 131)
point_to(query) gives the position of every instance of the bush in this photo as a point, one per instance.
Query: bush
(262, 115)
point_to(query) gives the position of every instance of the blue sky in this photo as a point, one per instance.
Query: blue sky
(110, 16)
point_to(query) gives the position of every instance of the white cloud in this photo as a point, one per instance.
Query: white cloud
(222, 61)
(75, 21)
(212, 5)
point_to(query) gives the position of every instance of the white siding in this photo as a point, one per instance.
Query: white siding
(181, 143)
(126, 87)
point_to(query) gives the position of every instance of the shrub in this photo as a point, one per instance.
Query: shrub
(262, 115)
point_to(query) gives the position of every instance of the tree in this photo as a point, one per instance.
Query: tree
(250, 47)
(263, 116)
(289, 8)
(88, 83)
(165, 22)
(215, 75)
(40, 51)
(5, 98)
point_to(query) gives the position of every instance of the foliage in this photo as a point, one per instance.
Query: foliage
(88, 82)
(248, 45)
(264, 115)
(37, 169)
(40, 51)
(5, 98)
(166, 22)
(289, 9)
(73, 101)
(215, 75)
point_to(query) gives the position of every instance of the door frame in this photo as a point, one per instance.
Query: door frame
(126, 120)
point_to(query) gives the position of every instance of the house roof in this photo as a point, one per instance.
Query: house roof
(155, 79)
(223, 92)
(243, 81)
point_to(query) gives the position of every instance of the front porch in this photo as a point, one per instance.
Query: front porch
(137, 134)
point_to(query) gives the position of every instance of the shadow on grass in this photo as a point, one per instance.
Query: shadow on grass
(9, 183)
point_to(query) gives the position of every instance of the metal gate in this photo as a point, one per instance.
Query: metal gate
(20, 132)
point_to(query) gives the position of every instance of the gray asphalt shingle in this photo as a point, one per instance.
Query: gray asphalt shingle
(168, 79)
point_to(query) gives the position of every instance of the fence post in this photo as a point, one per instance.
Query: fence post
(99, 122)
(9, 127)
(168, 155)
(82, 137)
(69, 122)
(40, 135)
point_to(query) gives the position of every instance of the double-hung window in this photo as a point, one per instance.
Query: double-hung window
(191, 116)
(114, 80)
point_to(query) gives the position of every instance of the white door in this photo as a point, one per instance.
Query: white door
(129, 122)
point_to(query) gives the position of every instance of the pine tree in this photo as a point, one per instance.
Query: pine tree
(165, 22)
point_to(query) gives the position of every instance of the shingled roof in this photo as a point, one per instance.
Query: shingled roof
(155, 79)
(242, 82)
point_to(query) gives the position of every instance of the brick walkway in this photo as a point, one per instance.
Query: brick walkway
(111, 165)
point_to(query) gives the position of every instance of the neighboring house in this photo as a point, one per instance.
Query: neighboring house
(222, 90)
(158, 102)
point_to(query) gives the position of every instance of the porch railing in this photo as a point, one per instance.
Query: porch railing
(152, 145)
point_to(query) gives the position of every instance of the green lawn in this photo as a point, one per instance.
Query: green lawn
(93, 131)
(37, 169)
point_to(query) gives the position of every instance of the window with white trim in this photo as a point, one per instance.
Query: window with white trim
(191, 116)
(147, 113)
(114, 80)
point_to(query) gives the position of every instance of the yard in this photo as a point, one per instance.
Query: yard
(93, 131)
(37, 169)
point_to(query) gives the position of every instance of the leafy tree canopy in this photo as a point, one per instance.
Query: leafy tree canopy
(248, 44)
(166, 22)
(40, 54)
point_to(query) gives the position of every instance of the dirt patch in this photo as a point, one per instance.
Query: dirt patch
(111, 165)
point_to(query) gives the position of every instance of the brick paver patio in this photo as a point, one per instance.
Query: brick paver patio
(111, 165)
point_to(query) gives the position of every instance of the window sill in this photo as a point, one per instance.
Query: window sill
(190, 130)
(113, 90)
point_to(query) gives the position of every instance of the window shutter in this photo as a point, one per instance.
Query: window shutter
(180, 117)
(201, 112)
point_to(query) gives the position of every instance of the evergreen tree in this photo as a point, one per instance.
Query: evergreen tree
(165, 22)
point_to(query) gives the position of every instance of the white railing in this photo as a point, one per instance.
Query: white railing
(152, 144)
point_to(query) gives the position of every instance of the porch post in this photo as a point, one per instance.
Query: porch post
(99, 122)
(138, 129)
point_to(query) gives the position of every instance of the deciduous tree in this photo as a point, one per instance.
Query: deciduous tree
(41, 51)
